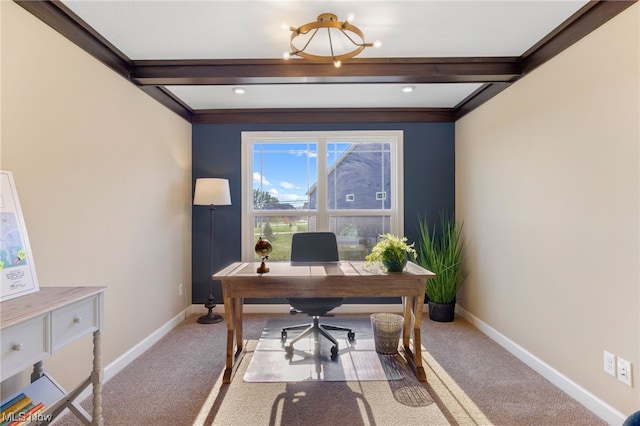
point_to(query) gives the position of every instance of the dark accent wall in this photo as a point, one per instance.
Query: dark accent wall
(429, 186)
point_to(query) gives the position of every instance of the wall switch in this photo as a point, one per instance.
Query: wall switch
(610, 363)
(180, 290)
(624, 371)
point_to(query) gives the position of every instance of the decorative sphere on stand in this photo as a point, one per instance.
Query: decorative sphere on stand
(263, 248)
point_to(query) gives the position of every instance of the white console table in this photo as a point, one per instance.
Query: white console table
(34, 326)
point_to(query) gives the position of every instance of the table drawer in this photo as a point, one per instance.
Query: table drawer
(74, 321)
(24, 344)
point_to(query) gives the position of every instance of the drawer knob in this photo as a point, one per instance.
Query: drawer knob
(77, 319)
(17, 347)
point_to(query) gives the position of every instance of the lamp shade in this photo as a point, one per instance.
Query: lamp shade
(212, 191)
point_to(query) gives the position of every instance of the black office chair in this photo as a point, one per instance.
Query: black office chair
(309, 248)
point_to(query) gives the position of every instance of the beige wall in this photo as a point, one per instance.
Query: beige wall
(547, 182)
(103, 173)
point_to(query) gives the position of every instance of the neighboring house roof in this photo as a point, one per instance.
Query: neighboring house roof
(365, 182)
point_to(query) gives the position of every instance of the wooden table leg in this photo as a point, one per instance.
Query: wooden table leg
(237, 309)
(418, 303)
(408, 318)
(235, 346)
(229, 313)
(412, 307)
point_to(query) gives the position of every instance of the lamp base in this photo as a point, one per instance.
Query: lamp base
(210, 317)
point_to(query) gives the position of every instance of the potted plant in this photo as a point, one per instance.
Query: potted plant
(442, 254)
(392, 252)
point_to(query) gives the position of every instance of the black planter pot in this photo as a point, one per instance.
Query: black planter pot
(442, 312)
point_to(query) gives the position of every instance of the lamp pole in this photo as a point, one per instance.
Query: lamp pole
(211, 192)
(210, 317)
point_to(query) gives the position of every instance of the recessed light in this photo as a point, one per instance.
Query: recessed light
(408, 89)
(239, 90)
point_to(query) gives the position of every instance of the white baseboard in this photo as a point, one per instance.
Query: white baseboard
(580, 394)
(586, 398)
(125, 359)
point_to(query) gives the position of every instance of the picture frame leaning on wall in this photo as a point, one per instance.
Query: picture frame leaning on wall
(17, 268)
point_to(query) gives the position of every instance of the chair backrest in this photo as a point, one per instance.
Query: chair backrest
(311, 247)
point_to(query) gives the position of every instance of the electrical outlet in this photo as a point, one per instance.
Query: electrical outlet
(624, 371)
(180, 290)
(610, 363)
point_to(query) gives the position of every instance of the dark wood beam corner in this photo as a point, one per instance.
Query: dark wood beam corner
(63, 20)
(477, 98)
(591, 16)
(323, 115)
(170, 101)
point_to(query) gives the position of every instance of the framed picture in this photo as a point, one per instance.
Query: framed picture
(16, 262)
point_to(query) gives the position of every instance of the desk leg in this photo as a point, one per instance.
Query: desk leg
(412, 319)
(238, 310)
(408, 322)
(230, 315)
(234, 336)
(418, 303)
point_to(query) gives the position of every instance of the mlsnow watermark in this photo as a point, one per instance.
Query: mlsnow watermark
(23, 417)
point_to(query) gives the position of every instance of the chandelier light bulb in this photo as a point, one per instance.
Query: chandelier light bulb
(350, 17)
(337, 64)
(377, 44)
(286, 56)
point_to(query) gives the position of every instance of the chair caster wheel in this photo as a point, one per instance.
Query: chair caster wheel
(351, 336)
(283, 335)
(289, 350)
(334, 353)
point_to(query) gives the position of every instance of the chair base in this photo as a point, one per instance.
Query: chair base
(317, 329)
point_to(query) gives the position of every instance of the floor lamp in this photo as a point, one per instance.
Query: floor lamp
(211, 192)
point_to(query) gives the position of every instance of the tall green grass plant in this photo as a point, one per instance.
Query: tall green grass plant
(442, 254)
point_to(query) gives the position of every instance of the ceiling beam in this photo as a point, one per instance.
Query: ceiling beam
(477, 98)
(591, 16)
(279, 71)
(322, 115)
(497, 72)
(63, 20)
(167, 99)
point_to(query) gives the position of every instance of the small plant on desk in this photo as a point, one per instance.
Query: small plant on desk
(391, 251)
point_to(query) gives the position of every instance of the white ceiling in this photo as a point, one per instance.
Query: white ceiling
(215, 29)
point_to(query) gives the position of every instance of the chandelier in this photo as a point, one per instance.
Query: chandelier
(340, 41)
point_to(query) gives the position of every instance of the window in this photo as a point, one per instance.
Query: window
(348, 182)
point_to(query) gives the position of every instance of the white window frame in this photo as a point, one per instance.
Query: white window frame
(322, 214)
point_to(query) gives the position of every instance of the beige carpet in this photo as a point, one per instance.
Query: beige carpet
(311, 360)
(472, 381)
(399, 402)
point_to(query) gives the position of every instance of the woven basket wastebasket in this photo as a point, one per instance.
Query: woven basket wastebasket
(387, 329)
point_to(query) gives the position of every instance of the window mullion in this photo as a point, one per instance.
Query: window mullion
(322, 178)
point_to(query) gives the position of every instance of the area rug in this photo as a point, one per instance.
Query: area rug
(311, 361)
(320, 402)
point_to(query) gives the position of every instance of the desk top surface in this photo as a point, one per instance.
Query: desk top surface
(44, 300)
(279, 270)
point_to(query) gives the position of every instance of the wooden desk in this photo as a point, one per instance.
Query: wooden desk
(346, 279)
